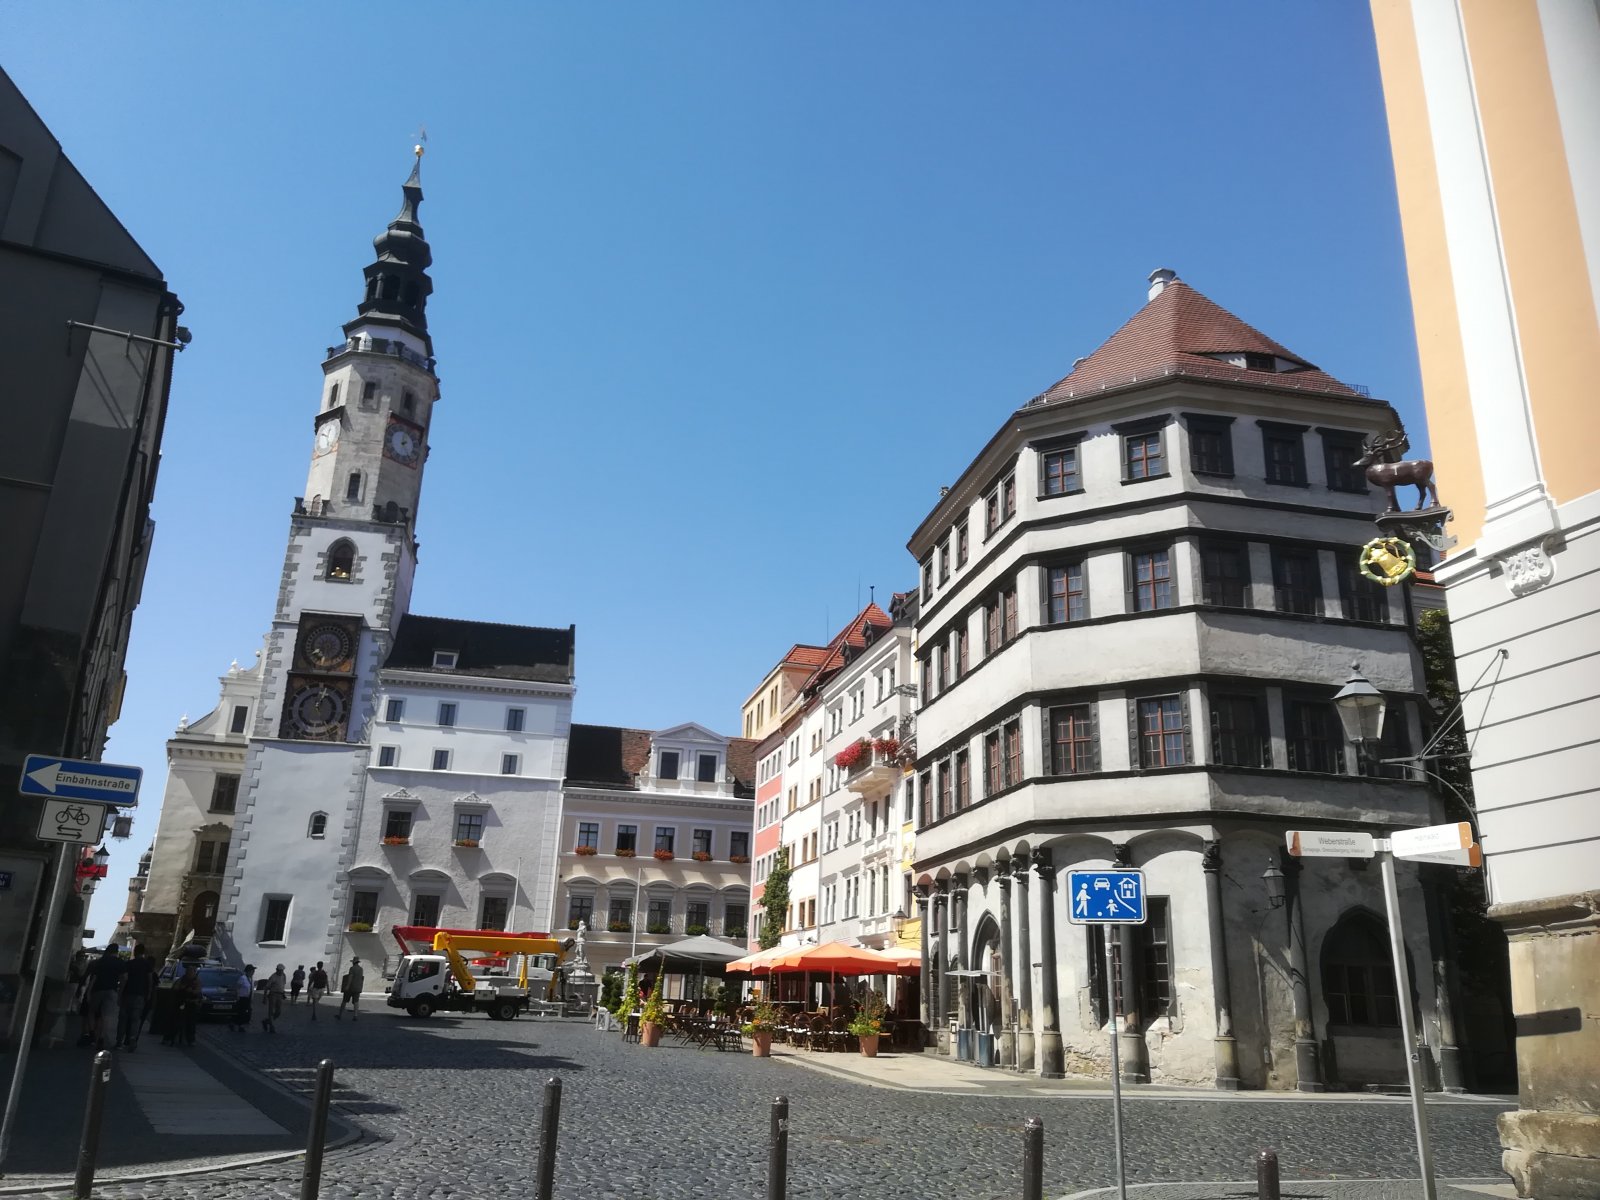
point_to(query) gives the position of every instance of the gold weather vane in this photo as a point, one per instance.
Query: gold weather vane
(421, 147)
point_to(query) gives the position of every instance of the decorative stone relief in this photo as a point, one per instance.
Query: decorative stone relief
(1528, 569)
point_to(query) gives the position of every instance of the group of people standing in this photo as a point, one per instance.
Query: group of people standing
(116, 995)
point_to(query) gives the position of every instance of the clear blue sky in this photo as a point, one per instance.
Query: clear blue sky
(724, 292)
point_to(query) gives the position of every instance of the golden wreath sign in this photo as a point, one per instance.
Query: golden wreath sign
(1388, 560)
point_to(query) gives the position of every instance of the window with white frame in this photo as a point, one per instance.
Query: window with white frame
(515, 717)
(395, 709)
(441, 760)
(447, 713)
(510, 764)
(388, 756)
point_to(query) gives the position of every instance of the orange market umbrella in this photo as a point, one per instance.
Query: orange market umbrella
(837, 958)
(759, 962)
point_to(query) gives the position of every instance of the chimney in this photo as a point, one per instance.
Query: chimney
(1159, 278)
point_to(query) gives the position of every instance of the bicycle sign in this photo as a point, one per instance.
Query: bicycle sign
(1109, 897)
(72, 821)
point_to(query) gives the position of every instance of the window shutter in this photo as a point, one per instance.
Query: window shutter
(1094, 734)
(1048, 743)
(1189, 756)
(1134, 757)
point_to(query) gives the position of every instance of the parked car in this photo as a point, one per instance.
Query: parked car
(219, 987)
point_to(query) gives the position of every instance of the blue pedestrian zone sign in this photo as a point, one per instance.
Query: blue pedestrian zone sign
(1105, 897)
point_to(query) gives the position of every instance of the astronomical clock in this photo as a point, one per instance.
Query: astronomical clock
(317, 706)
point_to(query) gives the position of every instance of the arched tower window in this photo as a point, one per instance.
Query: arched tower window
(352, 489)
(318, 826)
(342, 559)
(1358, 974)
(391, 287)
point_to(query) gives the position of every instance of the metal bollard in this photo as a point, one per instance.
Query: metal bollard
(1267, 1176)
(549, 1125)
(778, 1155)
(311, 1176)
(1033, 1159)
(89, 1146)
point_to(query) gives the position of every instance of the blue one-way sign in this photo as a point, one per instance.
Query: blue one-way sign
(1105, 897)
(69, 779)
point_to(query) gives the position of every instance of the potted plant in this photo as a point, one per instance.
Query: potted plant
(359, 927)
(696, 930)
(467, 843)
(657, 927)
(887, 748)
(702, 856)
(397, 841)
(759, 1028)
(867, 1024)
(618, 926)
(663, 855)
(583, 850)
(738, 858)
(624, 852)
(654, 1017)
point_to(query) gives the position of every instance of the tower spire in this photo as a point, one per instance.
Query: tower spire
(398, 285)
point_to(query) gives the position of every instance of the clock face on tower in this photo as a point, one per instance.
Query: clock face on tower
(316, 710)
(327, 436)
(328, 647)
(403, 443)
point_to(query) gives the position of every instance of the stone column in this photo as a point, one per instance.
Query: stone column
(1436, 882)
(926, 979)
(1307, 1059)
(1007, 1050)
(1019, 872)
(1135, 1054)
(1224, 1048)
(941, 950)
(1052, 1057)
(958, 934)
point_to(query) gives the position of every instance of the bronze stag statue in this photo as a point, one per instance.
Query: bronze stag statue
(1381, 456)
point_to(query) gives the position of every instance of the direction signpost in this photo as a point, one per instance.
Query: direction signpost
(1451, 844)
(1109, 897)
(78, 796)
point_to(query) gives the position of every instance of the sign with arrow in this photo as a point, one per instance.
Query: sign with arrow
(72, 821)
(70, 779)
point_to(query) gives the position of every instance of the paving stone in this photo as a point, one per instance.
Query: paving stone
(451, 1109)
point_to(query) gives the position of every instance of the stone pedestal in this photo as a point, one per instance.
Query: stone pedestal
(1552, 1145)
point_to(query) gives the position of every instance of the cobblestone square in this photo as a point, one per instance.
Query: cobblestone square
(450, 1108)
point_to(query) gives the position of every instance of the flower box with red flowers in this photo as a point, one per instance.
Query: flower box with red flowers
(852, 754)
(623, 852)
(397, 841)
(664, 855)
(584, 850)
(467, 843)
(738, 858)
(702, 856)
(887, 749)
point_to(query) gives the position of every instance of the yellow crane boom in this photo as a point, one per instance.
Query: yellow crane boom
(449, 944)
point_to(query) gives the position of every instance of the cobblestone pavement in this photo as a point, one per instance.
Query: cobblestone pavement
(451, 1108)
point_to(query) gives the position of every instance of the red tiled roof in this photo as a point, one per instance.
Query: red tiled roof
(1171, 336)
(850, 635)
(806, 656)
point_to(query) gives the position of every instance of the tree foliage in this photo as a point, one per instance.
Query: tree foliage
(1444, 697)
(775, 900)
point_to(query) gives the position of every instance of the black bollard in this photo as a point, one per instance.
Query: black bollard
(89, 1146)
(1033, 1159)
(778, 1155)
(549, 1125)
(311, 1176)
(1267, 1176)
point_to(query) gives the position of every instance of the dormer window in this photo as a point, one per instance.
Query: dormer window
(445, 659)
(342, 560)
(706, 768)
(1259, 362)
(669, 764)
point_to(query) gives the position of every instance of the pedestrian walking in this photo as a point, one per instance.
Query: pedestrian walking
(105, 993)
(318, 988)
(239, 1021)
(187, 1010)
(296, 982)
(350, 990)
(277, 986)
(138, 985)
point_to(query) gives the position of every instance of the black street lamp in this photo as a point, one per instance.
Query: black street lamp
(1277, 886)
(1361, 708)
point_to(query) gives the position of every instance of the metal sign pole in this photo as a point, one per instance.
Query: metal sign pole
(1402, 979)
(1106, 933)
(35, 993)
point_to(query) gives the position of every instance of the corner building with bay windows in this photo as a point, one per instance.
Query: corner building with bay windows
(1136, 606)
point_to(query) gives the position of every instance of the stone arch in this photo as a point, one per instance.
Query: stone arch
(342, 560)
